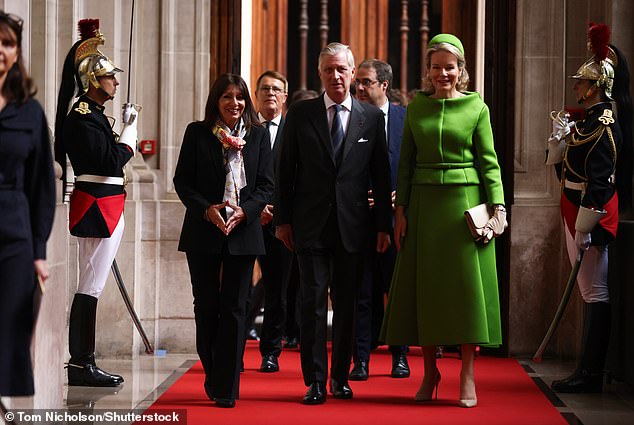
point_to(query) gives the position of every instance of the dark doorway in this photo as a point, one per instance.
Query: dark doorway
(499, 83)
(313, 48)
(414, 71)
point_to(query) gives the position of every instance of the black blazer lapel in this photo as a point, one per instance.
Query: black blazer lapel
(355, 127)
(217, 157)
(278, 141)
(319, 119)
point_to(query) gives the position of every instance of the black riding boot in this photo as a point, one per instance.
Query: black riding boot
(588, 378)
(81, 341)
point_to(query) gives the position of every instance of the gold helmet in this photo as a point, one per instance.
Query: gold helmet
(600, 67)
(90, 63)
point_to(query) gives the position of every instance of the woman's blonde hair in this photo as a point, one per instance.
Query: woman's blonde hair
(463, 78)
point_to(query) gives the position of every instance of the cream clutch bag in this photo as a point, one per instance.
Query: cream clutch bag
(477, 217)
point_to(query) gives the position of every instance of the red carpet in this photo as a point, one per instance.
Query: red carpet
(506, 396)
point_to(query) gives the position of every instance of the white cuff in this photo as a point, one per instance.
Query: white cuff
(555, 150)
(588, 218)
(129, 136)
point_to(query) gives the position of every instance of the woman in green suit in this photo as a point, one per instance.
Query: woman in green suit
(448, 165)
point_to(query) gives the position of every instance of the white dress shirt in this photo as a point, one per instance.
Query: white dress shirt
(275, 125)
(344, 113)
(385, 108)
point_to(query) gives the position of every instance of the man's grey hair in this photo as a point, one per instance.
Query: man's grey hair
(333, 49)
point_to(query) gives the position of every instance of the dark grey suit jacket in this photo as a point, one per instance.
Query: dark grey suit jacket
(309, 184)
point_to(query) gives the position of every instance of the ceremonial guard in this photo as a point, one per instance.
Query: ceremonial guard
(593, 161)
(97, 156)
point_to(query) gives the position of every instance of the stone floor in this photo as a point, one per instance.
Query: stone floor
(614, 407)
(148, 377)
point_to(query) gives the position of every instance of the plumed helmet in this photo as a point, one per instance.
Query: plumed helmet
(600, 67)
(84, 63)
(90, 63)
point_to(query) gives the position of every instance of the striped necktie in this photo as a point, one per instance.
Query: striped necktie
(336, 131)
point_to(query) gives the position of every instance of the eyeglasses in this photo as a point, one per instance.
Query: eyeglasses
(13, 19)
(274, 89)
(366, 82)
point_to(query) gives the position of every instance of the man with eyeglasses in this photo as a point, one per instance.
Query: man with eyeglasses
(374, 79)
(270, 96)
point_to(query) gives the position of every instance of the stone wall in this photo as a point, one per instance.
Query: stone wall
(169, 78)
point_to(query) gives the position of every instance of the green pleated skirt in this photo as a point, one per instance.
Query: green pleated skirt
(444, 288)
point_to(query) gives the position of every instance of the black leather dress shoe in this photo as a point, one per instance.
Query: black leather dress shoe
(316, 393)
(225, 402)
(400, 367)
(89, 375)
(582, 381)
(269, 364)
(360, 371)
(340, 390)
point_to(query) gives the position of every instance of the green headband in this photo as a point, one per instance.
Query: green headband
(447, 38)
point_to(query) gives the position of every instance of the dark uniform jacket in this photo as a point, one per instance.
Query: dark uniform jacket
(91, 145)
(590, 158)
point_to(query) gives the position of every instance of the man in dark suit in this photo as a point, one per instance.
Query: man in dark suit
(332, 147)
(372, 83)
(271, 94)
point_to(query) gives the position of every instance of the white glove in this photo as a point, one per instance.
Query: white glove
(561, 125)
(129, 133)
(496, 224)
(130, 111)
(556, 143)
(582, 240)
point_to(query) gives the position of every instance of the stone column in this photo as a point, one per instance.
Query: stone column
(539, 263)
(184, 70)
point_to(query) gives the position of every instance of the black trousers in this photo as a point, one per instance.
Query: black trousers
(17, 317)
(377, 276)
(325, 265)
(293, 303)
(220, 285)
(276, 268)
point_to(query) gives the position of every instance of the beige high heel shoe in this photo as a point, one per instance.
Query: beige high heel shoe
(467, 402)
(420, 396)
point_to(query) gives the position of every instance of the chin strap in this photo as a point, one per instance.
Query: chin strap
(106, 94)
(588, 93)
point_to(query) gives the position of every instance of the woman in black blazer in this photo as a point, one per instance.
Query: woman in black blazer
(224, 178)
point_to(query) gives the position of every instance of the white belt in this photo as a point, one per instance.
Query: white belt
(90, 178)
(575, 186)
